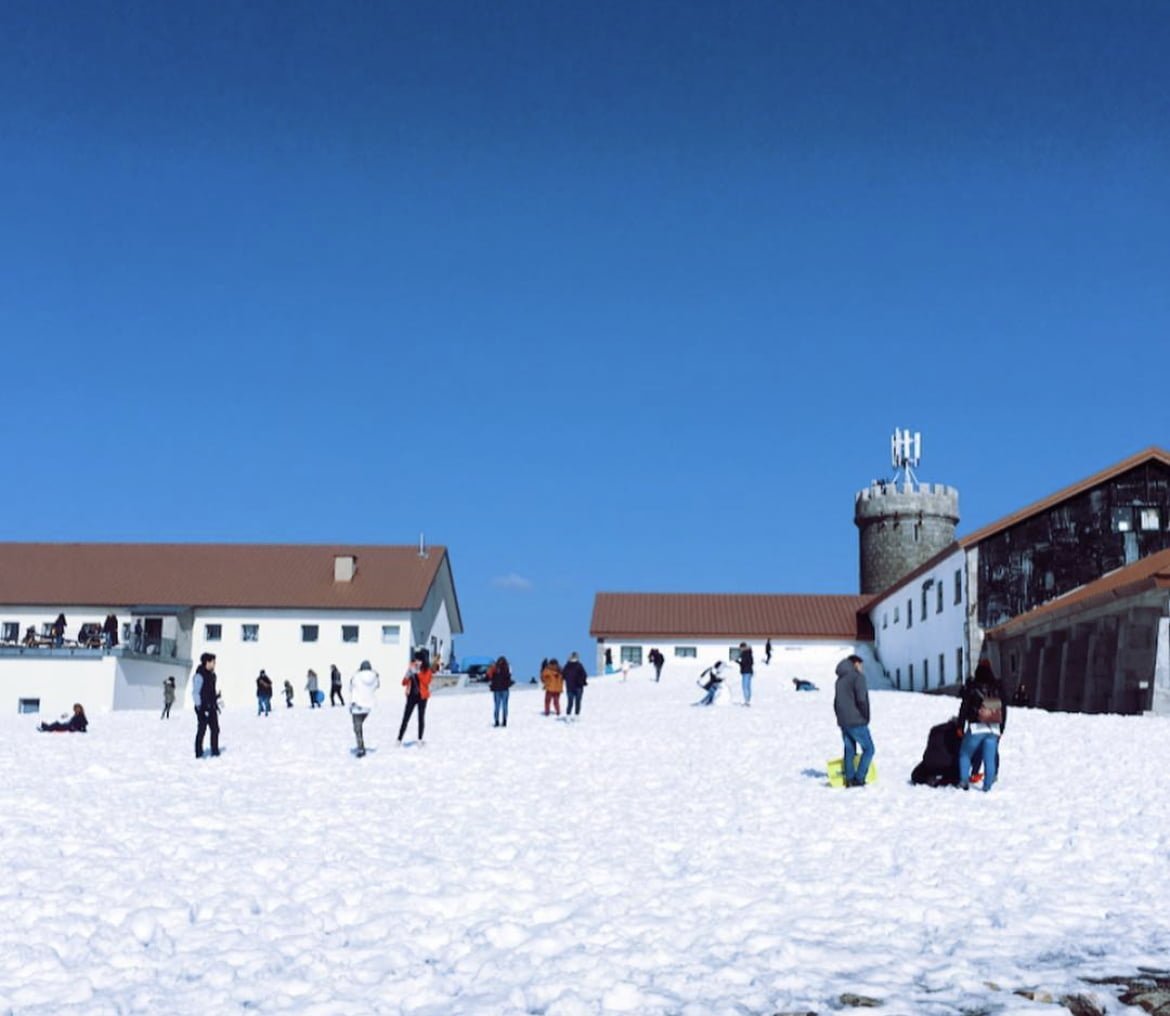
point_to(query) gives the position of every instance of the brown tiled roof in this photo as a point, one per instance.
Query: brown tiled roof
(730, 615)
(215, 575)
(1151, 454)
(1151, 572)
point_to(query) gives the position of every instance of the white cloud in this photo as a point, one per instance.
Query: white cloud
(511, 581)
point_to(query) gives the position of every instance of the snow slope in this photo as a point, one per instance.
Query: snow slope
(652, 858)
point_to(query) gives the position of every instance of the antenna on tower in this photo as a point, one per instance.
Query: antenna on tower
(905, 453)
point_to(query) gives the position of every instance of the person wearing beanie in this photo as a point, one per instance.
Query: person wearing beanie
(363, 687)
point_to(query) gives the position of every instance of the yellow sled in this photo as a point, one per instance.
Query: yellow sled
(837, 771)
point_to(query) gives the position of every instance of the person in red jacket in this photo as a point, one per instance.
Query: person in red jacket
(417, 684)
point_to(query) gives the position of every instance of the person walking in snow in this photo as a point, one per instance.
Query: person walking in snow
(747, 666)
(288, 694)
(263, 695)
(335, 686)
(363, 687)
(203, 694)
(499, 683)
(168, 698)
(983, 716)
(575, 681)
(311, 688)
(657, 660)
(417, 685)
(553, 682)
(768, 653)
(851, 707)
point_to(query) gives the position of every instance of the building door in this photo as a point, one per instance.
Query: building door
(152, 635)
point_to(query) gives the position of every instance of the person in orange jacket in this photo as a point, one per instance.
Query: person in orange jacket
(554, 683)
(417, 684)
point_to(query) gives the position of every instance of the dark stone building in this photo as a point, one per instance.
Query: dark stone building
(1114, 520)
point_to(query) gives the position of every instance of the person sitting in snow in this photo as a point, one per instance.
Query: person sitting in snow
(800, 684)
(75, 724)
(714, 681)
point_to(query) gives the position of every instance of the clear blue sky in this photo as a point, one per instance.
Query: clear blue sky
(602, 296)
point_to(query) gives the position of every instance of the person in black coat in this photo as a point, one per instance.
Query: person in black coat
(575, 681)
(76, 724)
(984, 719)
(204, 695)
(500, 680)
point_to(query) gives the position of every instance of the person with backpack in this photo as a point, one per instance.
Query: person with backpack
(499, 681)
(984, 717)
(311, 688)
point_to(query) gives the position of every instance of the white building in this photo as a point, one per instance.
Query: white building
(920, 625)
(282, 608)
(810, 635)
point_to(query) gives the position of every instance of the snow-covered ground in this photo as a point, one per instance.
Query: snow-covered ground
(652, 858)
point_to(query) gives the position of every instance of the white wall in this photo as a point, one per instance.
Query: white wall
(809, 659)
(281, 653)
(900, 646)
(58, 681)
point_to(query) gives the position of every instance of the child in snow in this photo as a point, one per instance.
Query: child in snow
(714, 680)
(76, 724)
(168, 698)
(288, 694)
(311, 688)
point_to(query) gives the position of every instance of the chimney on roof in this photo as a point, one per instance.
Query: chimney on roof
(344, 566)
(422, 546)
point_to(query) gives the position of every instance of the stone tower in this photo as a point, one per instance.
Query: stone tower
(902, 524)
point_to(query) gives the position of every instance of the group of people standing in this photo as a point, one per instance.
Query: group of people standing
(572, 680)
(363, 687)
(980, 724)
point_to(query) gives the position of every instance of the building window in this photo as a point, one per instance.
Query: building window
(885, 618)
(212, 632)
(1149, 519)
(898, 679)
(942, 669)
(925, 674)
(910, 671)
(1013, 662)
(939, 599)
(28, 705)
(391, 634)
(349, 633)
(733, 654)
(925, 592)
(896, 612)
(632, 655)
(686, 652)
(11, 631)
(958, 585)
(909, 613)
(309, 632)
(250, 632)
(1123, 520)
(959, 665)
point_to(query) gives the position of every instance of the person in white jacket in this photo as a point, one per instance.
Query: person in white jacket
(363, 687)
